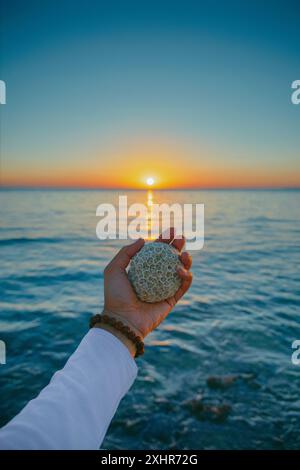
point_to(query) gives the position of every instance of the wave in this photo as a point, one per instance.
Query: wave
(263, 218)
(40, 279)
(50, 240)
(24, 240)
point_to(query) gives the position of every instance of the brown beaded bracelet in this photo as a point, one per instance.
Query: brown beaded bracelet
(124, 329)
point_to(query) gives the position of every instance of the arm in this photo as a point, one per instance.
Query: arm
(75, 409)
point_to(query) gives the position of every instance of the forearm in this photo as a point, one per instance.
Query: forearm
(76, 408)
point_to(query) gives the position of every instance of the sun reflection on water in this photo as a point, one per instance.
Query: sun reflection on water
(149, 221)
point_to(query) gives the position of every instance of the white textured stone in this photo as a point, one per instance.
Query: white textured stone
(152, 272)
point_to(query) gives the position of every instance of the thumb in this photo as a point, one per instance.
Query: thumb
(123, 257)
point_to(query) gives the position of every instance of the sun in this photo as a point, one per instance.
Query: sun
(150, 181)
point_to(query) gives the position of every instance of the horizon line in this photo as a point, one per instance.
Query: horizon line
(123, 188)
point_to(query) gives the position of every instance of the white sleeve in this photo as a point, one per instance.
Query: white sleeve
(76, 408)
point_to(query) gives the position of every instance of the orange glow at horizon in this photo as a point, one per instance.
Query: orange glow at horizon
(146, 165)
(209, 179)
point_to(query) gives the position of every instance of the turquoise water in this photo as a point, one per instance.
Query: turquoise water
(237, 322)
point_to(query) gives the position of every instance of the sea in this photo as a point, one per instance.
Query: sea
(218, 373)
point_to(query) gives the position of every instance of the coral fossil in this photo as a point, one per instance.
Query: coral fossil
(153, 274)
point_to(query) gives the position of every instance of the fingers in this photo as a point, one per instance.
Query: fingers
(178, 243)
(186, 260)
(187, 278)
(123, 257)
(169, 236)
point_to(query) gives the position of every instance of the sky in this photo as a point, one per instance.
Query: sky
(108, 94)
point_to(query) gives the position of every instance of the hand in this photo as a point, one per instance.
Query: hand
(120, 300)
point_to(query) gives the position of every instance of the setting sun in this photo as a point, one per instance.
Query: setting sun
(150, 181)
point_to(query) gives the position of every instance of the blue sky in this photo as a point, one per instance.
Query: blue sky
(87, 79)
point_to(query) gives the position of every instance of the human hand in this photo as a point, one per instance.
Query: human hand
(120, 300)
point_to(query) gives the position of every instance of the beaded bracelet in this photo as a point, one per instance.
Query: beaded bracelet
(124, 329)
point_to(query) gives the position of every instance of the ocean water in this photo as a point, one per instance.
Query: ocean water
(237, 322)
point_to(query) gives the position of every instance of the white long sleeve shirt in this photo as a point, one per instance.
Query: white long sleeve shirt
(76, 408)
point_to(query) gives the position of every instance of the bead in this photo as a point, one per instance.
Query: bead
(124, 329)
